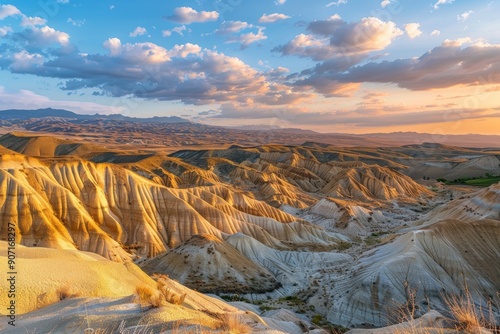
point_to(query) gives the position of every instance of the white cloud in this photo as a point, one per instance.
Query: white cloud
(456, 42)
(112, 7)
(413, 30)
(184, 72)
(337, 3)
(32, 21)
(5, 30)
(273, 18)
(334, 38)
(182, 51)
(442, 2)
(280, 2)
(435, 32)
(45, 36)
(8, 10)
(464, 16)
(24, 60)
(246, 39)
(141, 52)
(178, 30)
(139, 31)
(113, 45)
(76, 23)
(385, 3)
(231, 27)
(188, 15)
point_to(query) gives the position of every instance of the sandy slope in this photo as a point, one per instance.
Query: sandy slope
(98, 207)
(99, 294)
(44, 273)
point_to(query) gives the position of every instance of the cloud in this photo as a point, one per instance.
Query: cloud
(246, 39)
(435, 33)
(442, 2)
(42, 37)
(273, 18)
(385, 3)
(25, 99)
(4, 31)
(188, 15)
(139, 31)
(337, 3)
(62, 1)
(145, 70)
(464, 16)
(23, 60)
(327, 87)
(333, 38)
(364, 116)
(279, 2)
(32, 21)
(444, 66)
(76, 23)
(148, 53)
(367, 35)
(413, 30)
(231, 27)
(339, 45)
(307, 46)
(178, 30)
(8, 10)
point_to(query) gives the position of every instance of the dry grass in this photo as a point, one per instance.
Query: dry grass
(160, 296)
(147, 296)
(232, 323)
(465, 316)
(468, 317)
(170, 296)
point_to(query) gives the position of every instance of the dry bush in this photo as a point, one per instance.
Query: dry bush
(147, 296)
(233, 324)
(468, 317)
(67, 291)
(170, 296)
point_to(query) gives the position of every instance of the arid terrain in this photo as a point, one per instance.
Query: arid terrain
(164, 226)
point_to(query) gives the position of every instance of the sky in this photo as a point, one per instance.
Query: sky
(351, 66)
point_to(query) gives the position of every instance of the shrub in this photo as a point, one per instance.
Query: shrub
(232, 323)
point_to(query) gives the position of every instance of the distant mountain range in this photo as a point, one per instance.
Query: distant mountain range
(18, 114)
(64, 121)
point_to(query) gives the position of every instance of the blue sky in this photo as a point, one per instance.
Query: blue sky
(342, 66)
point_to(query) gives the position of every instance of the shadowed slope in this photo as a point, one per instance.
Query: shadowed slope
(421, 267)
(483, 204)
(209, 264)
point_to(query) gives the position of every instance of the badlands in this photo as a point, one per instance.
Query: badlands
(310, 237)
